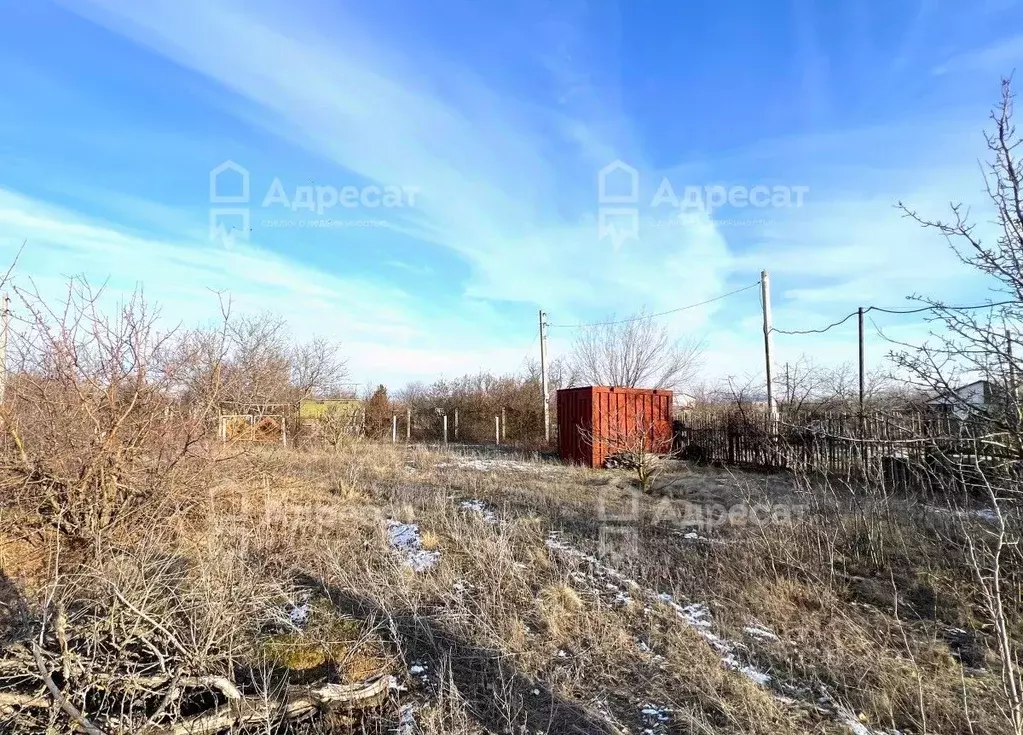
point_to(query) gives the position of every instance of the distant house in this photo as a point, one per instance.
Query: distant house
(684, 400)
(978, 397)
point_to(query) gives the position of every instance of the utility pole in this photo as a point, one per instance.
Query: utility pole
(456, 424)
(497, 430)
(543, 378)
(504, 425)
(4, 318)
(863, 362)
(765, 299)
(408, 425)
(445, 429)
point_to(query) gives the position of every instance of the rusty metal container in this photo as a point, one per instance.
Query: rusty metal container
(597, 421)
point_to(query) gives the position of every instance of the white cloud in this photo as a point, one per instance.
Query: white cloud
(503, 185)
(388, 336)
(493, 182)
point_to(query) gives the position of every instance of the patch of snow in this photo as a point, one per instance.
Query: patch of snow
(697, 615)
(407, 541)
(655, 717)
(299, 614)
(853, 723)
(478, 506)
(755, 675)
(491, 464)
(760, 633)
(655, 712)
(987, 514)
(407, 721)
(417, 669)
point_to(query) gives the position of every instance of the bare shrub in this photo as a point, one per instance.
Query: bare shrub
(476, 399)
(636, 443)
(97, 434)
(339, 425)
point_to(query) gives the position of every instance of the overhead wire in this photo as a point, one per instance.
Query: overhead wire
(843, 320)
(659, 314)
(883, 310)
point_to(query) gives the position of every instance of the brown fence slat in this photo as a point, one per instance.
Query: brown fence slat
(849, 444)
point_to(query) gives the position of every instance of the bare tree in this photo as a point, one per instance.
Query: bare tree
(632, 353)
(805, 385)
(258, 372)
(317, 370)
(984, 343)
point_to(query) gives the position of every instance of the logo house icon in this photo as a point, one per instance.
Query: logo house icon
(618, 184)
(616, 174)
(229, 184)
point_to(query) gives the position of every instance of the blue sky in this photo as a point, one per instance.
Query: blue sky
(493, 120)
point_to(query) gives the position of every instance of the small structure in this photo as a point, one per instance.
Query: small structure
(265, 423)
(596, 422)
(316, 408)
(970, 400)
(268, 429)
(331, 419)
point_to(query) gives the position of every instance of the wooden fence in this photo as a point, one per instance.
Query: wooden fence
(905, 447)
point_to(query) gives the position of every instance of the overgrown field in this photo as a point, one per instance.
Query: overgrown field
(380, 588)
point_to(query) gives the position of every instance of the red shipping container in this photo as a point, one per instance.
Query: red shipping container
(597, 421)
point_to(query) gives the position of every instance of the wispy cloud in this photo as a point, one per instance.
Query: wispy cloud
(996, 58)
(387, 335)
(505, 162)
(496, 188)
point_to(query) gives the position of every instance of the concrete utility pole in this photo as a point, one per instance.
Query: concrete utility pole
(765, 298)
(456, 424)
(394, 429)
(504, 426)
(497, 429)
(445, 429)
(863, 367)
(543, 379)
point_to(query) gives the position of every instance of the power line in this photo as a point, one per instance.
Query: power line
(653, 316)
(846, 318)
(841, 321)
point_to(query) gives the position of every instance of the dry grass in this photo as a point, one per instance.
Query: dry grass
(507, 634)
